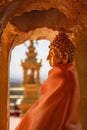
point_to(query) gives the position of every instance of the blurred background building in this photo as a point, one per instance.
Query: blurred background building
(24, 89)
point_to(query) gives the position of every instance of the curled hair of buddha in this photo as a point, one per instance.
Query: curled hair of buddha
(63, 44)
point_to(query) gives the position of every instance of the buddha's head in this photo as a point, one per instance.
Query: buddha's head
(62, 50)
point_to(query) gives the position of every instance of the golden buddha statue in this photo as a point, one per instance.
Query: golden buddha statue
(62, 50)
(57, 107)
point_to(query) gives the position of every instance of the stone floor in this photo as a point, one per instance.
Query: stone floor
(13, 122)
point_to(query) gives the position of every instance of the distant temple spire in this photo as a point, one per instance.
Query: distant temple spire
(31, 79)
(31, 66)
(31, 54)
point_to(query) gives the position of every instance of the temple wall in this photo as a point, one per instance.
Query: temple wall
(6, 41)
(82, 72)
(4, 95)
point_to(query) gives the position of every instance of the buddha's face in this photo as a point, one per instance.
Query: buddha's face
(54, 57)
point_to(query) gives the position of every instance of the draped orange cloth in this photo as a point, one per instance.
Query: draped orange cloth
(57, 107)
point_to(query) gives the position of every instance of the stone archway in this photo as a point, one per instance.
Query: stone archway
(5, 73)
(10, 39)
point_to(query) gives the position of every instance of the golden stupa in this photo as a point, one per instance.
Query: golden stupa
(31, 79)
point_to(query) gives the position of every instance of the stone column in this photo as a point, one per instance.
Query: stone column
(82, 72)
(6, 42)
(4, 90)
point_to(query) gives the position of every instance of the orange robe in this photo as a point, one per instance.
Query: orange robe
(57, 107)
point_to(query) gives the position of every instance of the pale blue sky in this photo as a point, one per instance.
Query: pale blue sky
(18, 54)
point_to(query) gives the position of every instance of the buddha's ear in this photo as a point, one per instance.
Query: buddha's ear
(65, 57)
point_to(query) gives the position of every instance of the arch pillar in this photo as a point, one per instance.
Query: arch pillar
(81, 61)
(4, 89)
(6, 43)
